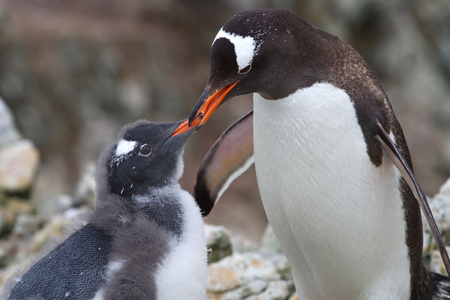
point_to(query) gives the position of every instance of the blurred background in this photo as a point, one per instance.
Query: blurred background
(74, 72)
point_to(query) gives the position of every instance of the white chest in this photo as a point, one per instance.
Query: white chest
(183, 272)
(338, 218)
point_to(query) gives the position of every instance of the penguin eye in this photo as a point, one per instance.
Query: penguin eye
(245, 70)
(145, 150)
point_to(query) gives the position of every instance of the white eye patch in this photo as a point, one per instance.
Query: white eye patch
(244, 46)
(124, 147)
(123, 151)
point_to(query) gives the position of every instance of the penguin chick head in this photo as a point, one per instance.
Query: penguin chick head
(144, 156)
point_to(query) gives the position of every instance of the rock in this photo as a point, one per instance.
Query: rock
(271, 248)
(440, 207)
(276, 290)
(250, 276)
(218, 242)
(8, 132)
(55, 229)
(252, 288)
(26, 226)
(18, 223)
(242, 245)
(436, 263)
(85, 190)
(19, 206)
(7, 220)
(239, 269)
(269, 241)
(9, 213)
(18, 165)
(252, 272)
(63, 203)
(294, 297)
(283, 268)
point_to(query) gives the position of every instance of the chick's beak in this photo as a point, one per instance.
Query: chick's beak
(203, 109)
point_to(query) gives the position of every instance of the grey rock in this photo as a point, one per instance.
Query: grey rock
(436, 263)
(218, 243)
(63, 203)
(251, 272)
(269, 241)
(18, 166)
(239, 269)
(440, 207)
(294, 297)
(247, 276)
(11, 211)
(8, 132)
(85, 190)
(26, 225)
(276, 290)
(252, 288)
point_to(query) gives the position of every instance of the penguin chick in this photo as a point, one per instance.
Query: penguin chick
(145, 238)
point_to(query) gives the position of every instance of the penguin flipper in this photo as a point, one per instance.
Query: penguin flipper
(400, 162)
(229, 157)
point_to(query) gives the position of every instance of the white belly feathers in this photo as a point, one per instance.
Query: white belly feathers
(339, 219)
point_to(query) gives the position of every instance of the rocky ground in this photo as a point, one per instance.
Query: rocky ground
(238, 268)
(74, 72)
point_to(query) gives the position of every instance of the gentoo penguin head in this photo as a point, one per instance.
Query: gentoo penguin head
(272, 52)
(144, 156)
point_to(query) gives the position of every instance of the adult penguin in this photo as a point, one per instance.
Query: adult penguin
(329, 155)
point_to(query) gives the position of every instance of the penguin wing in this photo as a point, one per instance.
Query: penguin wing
(229, 157)
(400, 162)
(73, 270)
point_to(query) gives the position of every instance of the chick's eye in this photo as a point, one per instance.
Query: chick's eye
(245, 70)
(145, 150)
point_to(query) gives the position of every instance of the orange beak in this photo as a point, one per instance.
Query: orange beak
(204, 109)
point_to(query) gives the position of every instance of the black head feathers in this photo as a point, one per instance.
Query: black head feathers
(142, 157)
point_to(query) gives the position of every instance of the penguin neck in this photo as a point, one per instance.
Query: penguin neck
(349, 210)
(162, 206)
